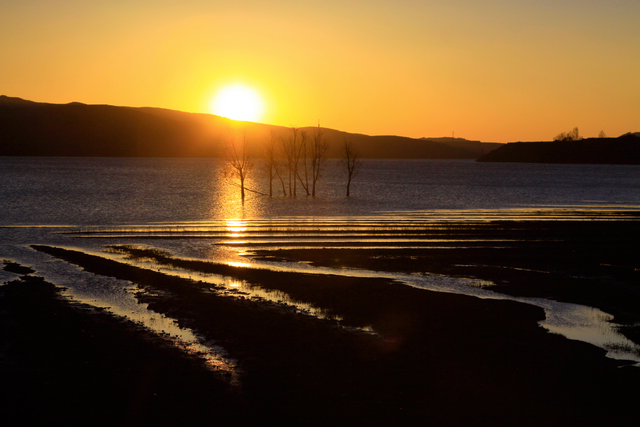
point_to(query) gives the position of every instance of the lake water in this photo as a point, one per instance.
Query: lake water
(128, 200)
(102, 191)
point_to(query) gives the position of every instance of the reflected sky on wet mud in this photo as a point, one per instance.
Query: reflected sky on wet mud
(571, 320)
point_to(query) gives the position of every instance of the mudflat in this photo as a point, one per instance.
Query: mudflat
(387, 354)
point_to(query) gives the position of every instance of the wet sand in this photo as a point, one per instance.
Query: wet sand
(435, 358)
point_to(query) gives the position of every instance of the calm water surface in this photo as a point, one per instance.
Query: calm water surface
(101, 191)
(112, 200)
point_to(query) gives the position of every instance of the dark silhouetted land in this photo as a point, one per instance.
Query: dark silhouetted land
(40, 129)
(624, 150)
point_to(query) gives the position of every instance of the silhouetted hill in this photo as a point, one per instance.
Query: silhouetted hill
(482, 147)
(399, 147)
(622, 150)
(40, 129)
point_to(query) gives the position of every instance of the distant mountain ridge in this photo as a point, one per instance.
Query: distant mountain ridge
(622, 150)
(30, 128)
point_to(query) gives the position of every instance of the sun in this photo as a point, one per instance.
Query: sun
(238, 102)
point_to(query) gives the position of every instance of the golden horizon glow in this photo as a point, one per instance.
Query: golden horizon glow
(238, 102)
(494, 71)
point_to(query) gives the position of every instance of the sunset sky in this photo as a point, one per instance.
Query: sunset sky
(490, 70)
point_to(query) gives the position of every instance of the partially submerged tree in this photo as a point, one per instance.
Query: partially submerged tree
(351, 162)
(294, 160)
(238, 162)
(319, 147)
(303, 155)
(290, 148)
(273, 163)
(295, 151)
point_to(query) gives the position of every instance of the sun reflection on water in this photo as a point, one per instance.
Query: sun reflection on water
(230, 286)
(219, 241)
(238, 264)
(236, 227)
(119, 298)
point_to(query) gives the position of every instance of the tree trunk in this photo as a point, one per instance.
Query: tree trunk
(242, 191)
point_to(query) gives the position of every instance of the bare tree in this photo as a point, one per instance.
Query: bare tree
(280, 166)
(297, 159)
(319, 147)
(238, 162)
(302, 154)
(351, 162)
(602, 134)
(295, 150)
(290, 149)
(272, 163)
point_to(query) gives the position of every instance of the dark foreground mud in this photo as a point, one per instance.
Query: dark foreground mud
(437, 359)
(68, 364)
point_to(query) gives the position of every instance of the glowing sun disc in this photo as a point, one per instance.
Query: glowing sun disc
(237, 102)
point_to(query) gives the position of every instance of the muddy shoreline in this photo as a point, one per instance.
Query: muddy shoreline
(64, 363)
(586, 262)
(434, 358)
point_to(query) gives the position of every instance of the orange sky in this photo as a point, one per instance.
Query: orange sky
(491, 70)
